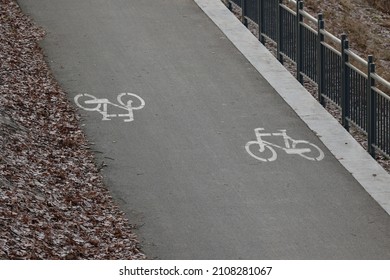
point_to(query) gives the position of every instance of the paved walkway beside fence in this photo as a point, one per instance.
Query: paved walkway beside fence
(178, 106)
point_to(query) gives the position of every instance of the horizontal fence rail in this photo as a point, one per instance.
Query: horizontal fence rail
(342, 77)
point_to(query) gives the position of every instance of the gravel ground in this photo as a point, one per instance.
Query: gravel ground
(53, 204)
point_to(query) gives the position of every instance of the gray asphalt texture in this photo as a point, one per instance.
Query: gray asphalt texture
(180, 169)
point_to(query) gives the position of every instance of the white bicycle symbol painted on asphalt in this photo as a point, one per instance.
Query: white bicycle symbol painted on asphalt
(264, 150)
(126, 101)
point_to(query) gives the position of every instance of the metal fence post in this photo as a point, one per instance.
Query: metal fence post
(279, 36)
(244, 20)
(230, 6)
(320, 59)
(345, 100)
(371, 107)
(299, 7)
(260, 12)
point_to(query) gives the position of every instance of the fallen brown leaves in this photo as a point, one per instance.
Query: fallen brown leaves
(53, 204)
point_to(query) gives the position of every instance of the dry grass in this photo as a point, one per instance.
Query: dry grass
(383, 5)
(367, 28)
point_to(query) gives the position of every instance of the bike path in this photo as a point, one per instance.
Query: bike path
(180, 169)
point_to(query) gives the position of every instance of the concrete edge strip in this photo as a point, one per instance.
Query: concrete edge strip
(372, 177)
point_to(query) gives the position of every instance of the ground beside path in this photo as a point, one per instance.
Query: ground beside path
(180, 168)
(53, 204)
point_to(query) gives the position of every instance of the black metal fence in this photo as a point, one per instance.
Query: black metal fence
(342, 77)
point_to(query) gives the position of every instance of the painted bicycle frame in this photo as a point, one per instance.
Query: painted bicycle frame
(290, 146)
(102, 105)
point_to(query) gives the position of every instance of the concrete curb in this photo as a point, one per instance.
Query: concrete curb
(372, 177)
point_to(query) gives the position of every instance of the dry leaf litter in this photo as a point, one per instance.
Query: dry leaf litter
(53, 204)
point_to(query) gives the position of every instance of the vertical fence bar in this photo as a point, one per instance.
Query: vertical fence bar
(320, 59)
(360, 103)
(260, 11)
(279, 30)
(299, 7)
(244, 13)
(371, 107)
(345, 82)
(230, 6)
(258, 16)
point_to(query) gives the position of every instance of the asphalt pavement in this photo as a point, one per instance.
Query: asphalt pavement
(182, 159)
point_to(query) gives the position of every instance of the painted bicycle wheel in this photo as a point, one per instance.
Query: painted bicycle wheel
(309, 150)
(131, 100)
(87, 102)
(268, 153)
